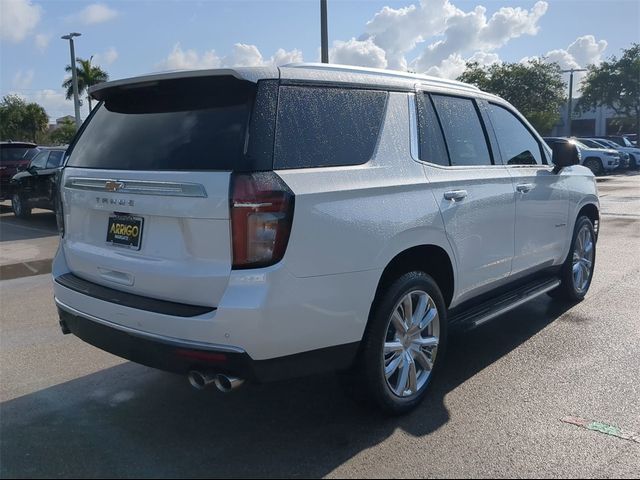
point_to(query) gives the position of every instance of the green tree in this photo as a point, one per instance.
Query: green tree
(64, 133)
(535, 88)
(88, 75)
(20, 120)
(616, 84)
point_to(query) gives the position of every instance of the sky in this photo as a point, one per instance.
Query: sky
(435, 37)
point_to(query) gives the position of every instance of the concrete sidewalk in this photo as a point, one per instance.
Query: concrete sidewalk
(28, 246)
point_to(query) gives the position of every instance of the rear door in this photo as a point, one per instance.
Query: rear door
(146, 188)
(542, 205)
(475, 194)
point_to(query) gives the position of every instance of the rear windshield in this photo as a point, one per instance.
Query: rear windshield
(12, 154)
(187, 124)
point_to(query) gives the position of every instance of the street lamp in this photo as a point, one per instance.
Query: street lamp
(74, 76)
(324, 35)
(571, 70)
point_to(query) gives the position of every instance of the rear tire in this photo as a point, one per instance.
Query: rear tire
(594, 165)
(403, 345)
(577, 270)
(20, 207)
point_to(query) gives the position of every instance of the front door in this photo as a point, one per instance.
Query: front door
(542, 205)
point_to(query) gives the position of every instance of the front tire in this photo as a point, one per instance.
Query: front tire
(20, 207)
(404, 343)
(594, 165)
(577, 270)
(633, 163)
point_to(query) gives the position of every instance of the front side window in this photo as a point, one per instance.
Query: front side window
(323, 127)
(463, 131)
(517, 144)
(55, 159)
(40, 161)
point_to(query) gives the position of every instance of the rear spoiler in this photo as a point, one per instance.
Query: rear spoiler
(249, 74)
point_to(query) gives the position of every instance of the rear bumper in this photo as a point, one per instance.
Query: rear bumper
(179, 356)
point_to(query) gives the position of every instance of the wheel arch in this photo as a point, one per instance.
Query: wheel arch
(431, 259)
(591, 211)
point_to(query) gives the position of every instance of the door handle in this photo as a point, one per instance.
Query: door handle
(524, 187)
(455, 195)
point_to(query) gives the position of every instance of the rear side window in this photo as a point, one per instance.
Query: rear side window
(517, 144)
(322, 127)
(186, 124)
(463, 130)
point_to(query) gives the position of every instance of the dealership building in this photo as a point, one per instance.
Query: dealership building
(599, 122)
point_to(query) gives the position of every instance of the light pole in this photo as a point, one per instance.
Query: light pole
(569, 107)
(74, 76)
(324, 35)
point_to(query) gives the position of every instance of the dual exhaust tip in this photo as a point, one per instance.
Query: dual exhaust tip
(224, 383)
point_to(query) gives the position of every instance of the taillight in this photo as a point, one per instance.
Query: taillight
(261, 213)
(58, 204)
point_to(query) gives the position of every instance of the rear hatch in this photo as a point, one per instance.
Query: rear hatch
(12, 156)
(146, 187)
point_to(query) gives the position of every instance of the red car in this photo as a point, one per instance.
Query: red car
(12, 156)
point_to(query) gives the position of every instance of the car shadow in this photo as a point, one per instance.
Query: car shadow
(131, 421)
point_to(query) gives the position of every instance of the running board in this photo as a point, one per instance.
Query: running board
(496, 306)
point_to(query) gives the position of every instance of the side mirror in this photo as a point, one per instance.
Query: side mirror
(565, 154)
(21, 168)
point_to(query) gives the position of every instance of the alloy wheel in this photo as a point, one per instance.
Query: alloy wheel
(583, 259)
(411, 344)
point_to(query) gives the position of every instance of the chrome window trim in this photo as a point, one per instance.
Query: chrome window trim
(138, 187)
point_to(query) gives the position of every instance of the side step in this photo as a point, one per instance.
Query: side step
(490, 309)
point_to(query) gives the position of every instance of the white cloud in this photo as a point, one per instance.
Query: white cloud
(179, 59)
(363, 53)
(242, 55)
(106, 58)
(42, 41)
(94, 13)
(455, 65)
(471, 31)
(18, 18)
(455, 36)
(22, 80)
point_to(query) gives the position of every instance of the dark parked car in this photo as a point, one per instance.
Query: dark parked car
(12, 156)
(35, 186)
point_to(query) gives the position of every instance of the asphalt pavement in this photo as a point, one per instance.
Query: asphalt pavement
(496, 410)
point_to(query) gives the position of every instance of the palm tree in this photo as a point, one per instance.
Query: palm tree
(88, 75)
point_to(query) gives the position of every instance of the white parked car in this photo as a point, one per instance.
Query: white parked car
(628, 148)
(263, 223)
(598, 160)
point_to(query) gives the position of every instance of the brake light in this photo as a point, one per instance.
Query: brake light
(58, 204)
(261, 213)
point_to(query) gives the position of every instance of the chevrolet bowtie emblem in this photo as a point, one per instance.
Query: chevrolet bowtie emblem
(111, 186)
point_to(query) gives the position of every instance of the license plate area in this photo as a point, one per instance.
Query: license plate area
(125, 231)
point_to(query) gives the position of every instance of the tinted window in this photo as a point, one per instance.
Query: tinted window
(187, 124)
(12, 154)
(432, 146)
(40, 161)
(55, 159)
(463, 131)
(321, 127)
(517, 145)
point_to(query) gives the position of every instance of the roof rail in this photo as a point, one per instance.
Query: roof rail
(379, 71)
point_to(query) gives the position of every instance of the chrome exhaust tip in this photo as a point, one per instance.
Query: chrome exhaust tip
(201, 380)
(227, 384)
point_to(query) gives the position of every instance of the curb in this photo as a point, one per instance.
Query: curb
(25, 269)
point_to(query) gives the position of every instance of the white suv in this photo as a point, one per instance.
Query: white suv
(258, 224)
